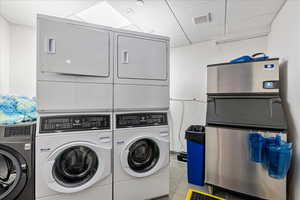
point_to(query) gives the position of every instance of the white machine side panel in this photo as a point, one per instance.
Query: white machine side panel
(65, 97)
(140, 58)
(73, 49)
(94, 193)
(141, 97)
(144, 188)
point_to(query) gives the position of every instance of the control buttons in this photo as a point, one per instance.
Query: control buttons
(74, 123)
(141, 120)
(270, 66)
(271, 84)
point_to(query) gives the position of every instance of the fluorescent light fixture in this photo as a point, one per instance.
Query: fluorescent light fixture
(103, 14)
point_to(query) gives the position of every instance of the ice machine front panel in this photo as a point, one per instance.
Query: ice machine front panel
(244, 78)
(228, 164)
(263, 112)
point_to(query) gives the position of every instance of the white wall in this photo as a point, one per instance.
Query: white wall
(188, 79)
(4, 55)
(22, 61)
(284, 42)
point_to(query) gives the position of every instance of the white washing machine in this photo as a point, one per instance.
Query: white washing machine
(141, 156)
(73, 157)
(141, 72)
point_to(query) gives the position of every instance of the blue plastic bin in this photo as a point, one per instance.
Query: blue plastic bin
(274, 154)
(271, 141)
(280, 157)
(195, 137)
(256, 144)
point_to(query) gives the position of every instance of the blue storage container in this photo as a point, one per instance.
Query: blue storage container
(256, 144)
(268, 142)
(280, 157)
(195, 137)
(274, 154)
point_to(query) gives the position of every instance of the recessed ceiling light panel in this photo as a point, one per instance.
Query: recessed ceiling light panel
(103, 14)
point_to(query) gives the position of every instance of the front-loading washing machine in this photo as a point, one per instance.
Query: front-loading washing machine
(17, 161)
(141, 155)
(73, 157)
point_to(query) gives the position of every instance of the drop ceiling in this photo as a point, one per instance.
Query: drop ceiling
(174, 18)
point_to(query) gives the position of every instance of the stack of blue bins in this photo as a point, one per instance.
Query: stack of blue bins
(273, 153)
(195, 136)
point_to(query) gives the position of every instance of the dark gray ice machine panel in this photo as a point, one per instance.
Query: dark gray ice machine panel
(262, 112)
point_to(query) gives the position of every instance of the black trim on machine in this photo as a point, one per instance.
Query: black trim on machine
(70, 123)
(244, 126)
(131, 120)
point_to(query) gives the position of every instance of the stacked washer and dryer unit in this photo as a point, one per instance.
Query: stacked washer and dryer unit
(74, 97)
(103, 99)
(141, 104)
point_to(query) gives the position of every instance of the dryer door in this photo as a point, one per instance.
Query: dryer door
(141, 58)
(144, 156)
(13, 173)
(77, 166)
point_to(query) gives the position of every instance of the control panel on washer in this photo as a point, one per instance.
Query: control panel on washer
(18, 130)
(141, 120)
(74, 123)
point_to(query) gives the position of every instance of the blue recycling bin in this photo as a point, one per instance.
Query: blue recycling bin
(195, 136)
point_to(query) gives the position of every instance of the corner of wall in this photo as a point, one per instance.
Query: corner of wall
(4, 55)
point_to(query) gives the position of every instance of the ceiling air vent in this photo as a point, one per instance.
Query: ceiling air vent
(202, 19)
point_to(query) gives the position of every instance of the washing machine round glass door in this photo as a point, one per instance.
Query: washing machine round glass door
(75, 166)
(13, 175)
(143, 155)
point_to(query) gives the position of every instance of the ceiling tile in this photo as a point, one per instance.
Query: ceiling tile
(247, 15)
(24, 11)
(256, 22)
(153, 17)
(188, 9)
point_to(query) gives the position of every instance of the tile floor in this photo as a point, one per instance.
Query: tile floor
(179, 185)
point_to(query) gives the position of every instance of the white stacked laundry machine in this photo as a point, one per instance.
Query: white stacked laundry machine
(141, 103)
(75, 98)
(103, 100)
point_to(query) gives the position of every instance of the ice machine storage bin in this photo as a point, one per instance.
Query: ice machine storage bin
(195, 136)
(263, 112)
